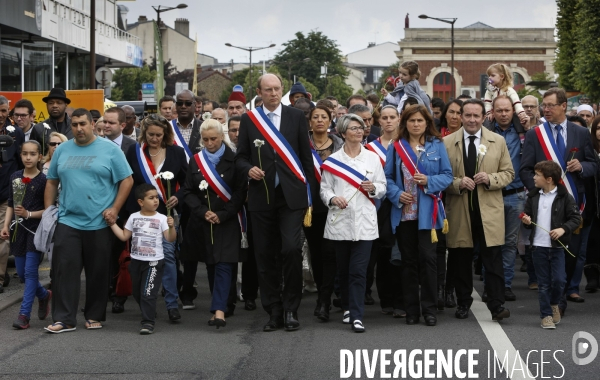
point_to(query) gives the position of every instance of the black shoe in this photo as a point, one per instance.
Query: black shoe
(462, 312)
(187, 304)
(323, 314)
(337, 302)
(440, 297)
(220, 323)
(249, 305)
(174, 315)
(500, 313)
(509, 295)
(484, 297)
(450, 300)
(523, 267)
(117, 307)
(274, 323)
(575, 299)
(412, 320)
(229, 310)
(317, 308)
(147, 329)
(369, 300)
(430, 320)
(211, 322)
(291, 321)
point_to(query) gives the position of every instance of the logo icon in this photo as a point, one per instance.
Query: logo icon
(584, 344)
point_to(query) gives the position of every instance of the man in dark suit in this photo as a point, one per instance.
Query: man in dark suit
(581, 164)
(114, 123)
(277, 200)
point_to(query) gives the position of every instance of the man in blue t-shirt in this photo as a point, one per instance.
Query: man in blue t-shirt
(95, 181)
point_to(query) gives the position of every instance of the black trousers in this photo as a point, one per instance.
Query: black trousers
(419, 265)
(491, 258)
(322, 257)
(117, 247)
(75, 250)
(249, 274)
(146, 279)
(188, 292)
(277, 234)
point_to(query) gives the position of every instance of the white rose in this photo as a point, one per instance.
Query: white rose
(10, 129)
(46, 126)
(482, 150)
(168, 176)
(258, 143)
(203, 185)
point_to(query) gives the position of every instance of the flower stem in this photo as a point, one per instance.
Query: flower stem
(566, 249)
(168, 196)
(211, 225)
(265, 182)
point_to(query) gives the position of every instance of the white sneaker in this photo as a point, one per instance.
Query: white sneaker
(547, 323)
(358, 327)
(346, 319)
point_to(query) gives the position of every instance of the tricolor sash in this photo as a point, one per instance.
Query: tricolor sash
(220, 187)
(345, 172)
(412, 164)
(377, 147)
(209, 171)
(548, 144)
(280, 144)
(148, 171)
(317, 162)
(179, 141)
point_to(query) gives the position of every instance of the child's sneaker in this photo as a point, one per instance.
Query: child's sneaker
(547, 323)
(147, 329)
(21, 323)
(555, 314)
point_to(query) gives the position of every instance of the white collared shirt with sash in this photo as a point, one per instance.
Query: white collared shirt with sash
(280, 145)
(179, 140)
(348, 174)
(220, 187)
(149, 172)
(550, 149)
(377, 147)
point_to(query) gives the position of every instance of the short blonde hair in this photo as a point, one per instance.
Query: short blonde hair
(62, 138)
(211, 124)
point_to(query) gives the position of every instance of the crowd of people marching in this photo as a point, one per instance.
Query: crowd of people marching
(399, 190)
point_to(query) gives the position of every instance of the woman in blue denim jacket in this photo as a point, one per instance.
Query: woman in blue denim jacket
(417, 170)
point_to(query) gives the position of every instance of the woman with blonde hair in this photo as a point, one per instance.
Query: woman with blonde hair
(54, 141)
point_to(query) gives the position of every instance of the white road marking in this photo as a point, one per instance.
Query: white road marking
(497, 337)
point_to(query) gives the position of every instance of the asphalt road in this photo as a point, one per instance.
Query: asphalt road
(192, 350)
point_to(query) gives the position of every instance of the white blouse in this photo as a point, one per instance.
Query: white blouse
(358, 221)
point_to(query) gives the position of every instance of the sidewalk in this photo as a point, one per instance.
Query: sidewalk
(13, 294)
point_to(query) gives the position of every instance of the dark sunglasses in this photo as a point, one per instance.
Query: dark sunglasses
(54, 143)
(180, 103)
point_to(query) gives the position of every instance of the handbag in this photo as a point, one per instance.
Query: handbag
(124, 285)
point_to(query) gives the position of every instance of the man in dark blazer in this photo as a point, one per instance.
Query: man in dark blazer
(276, 214)
(581, 164)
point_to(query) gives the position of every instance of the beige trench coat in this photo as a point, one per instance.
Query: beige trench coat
(497, 164)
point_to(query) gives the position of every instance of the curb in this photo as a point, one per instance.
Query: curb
(18, 297)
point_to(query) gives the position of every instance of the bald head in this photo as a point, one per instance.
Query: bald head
(531, 106)
(220, 115)
(188, 95)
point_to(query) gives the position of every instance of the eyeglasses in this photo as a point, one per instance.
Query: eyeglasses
(20, 115)
(354, 129)
(550, 105)
(54, 143)
(187, 103)
(530, 107)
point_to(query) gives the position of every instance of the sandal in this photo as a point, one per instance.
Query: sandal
(63, 328)
(90, 324)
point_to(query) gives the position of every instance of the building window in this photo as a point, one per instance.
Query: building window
(10, 65)
(518, 81)
(60, 67)
(79, 68)
(442, 86)
(38, 66)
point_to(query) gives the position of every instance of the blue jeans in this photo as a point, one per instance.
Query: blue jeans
(27, 269)
(169, 280)
(221, 276)
(513, 207)
(579, 248)
(550, 270)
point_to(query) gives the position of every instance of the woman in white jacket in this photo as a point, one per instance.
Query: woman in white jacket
(352, 178)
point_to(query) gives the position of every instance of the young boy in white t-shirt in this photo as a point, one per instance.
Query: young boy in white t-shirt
(146, 228)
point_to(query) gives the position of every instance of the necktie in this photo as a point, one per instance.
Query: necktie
(471, 157)
(560, 142)
(270, 116)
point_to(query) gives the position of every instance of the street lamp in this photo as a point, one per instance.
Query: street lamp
(250, 50)
(289, 64)
(160, 10)
(450, 21)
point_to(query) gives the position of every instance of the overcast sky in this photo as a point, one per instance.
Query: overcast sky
(352, 23)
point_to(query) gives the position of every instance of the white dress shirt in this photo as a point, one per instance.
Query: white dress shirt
(544, 216)
(467, 141)
(275, 117)
(118, 140)
(359, 220)
(563, 131)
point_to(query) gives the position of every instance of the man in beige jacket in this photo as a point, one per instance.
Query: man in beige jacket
(482, 168)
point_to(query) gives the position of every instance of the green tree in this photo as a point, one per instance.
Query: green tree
(567, 25)
(338, 88)
(586, 73)
(320, 49)
(535, 90)
(129, 82)
(314, 91)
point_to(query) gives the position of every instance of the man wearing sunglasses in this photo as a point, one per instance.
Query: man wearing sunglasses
(22, 116)
(130, 129)
(188, 127)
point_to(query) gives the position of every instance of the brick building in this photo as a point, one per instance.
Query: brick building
(212, 83)
(526, 51)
